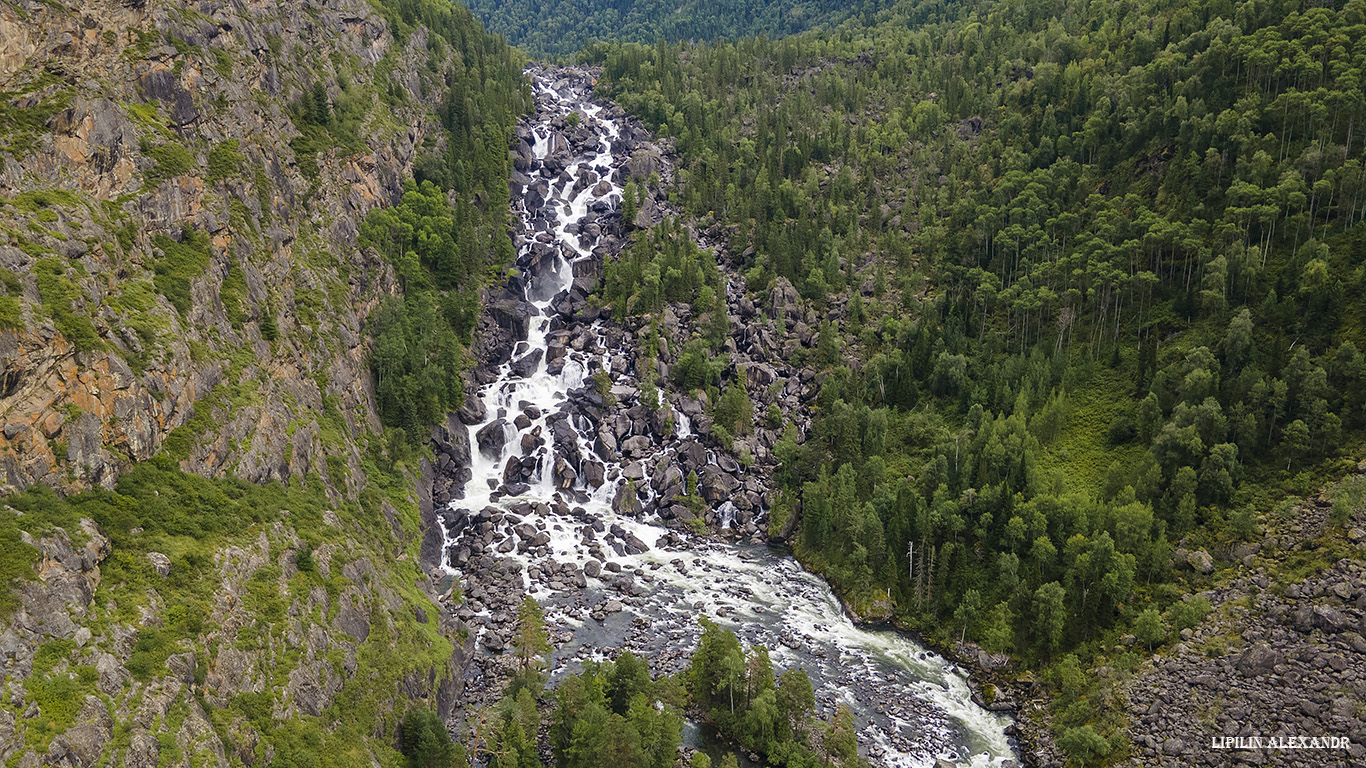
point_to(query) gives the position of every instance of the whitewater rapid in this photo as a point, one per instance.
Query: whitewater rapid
(610, 581)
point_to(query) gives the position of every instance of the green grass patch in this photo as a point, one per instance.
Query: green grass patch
(1082, 450)
(57, 293)
(148, 116)
(172, 160)
(233, 294)
(21, 125)
(59, 697)
(150, 652)
(142, 46)
(179, 263)
(222, 62)
(39, 199)
(225, 160)
(16, 564)
(11, 313)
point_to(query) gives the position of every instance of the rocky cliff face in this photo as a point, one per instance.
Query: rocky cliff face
(93, 683)
(181, 185)
(175, 256)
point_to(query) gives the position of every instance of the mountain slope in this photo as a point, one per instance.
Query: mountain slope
(1080, 287)
(562, 27)
(233, 573)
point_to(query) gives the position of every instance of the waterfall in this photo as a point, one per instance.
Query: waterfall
(550, 495)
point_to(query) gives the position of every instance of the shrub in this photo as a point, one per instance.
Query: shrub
(1188, 613)
(179, 263)
(1083, 744)
(233, 293)
(172, 160)
(424, 740)
(225, 161)
(11, 313)
(56, 293)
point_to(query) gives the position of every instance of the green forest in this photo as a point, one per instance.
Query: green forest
(617, 713)
(443, 251)
(559, 28)
(1095, 275)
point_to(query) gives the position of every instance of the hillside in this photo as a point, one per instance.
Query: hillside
(232, 572)
(360, 377)
(1081, 287)
(562, 27)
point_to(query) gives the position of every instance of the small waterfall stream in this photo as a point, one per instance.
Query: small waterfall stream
(543, 485)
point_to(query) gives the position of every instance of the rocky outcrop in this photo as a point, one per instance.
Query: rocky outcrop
(165, 119)
(55, 603)
(303, 652)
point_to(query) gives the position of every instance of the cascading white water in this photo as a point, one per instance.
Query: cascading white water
(640, 586)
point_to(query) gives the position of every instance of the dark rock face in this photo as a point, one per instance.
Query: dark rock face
(354, 617)
(526, 365)
(130, 104)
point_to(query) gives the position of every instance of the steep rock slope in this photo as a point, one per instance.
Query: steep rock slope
(178, 253)
(231, 574)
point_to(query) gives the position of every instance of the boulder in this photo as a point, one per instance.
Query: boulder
(491, 438)
(472, 411)
(593, 474)
(1200, 561)
(160, 563)
(527, 364)
(513, 316)
(564, 474)
(1259, 659)
(625, 502)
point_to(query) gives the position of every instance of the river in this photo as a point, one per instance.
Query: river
(609, 581)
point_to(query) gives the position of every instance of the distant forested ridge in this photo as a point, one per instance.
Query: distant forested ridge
(1093, 280)
(562, 27)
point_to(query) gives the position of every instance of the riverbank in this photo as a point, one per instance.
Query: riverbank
(997, 682)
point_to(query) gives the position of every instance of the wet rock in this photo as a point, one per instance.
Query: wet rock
(526, 365)
(513, 316)
(472, 411)
(565, 476)
(718, 486)
(452, 438)
(491, 438)
(593, 474)
(625, 502)
(531, 440)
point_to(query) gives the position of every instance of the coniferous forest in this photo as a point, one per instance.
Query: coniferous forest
(1115, 259)
(1095, 275)
(403, 383)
